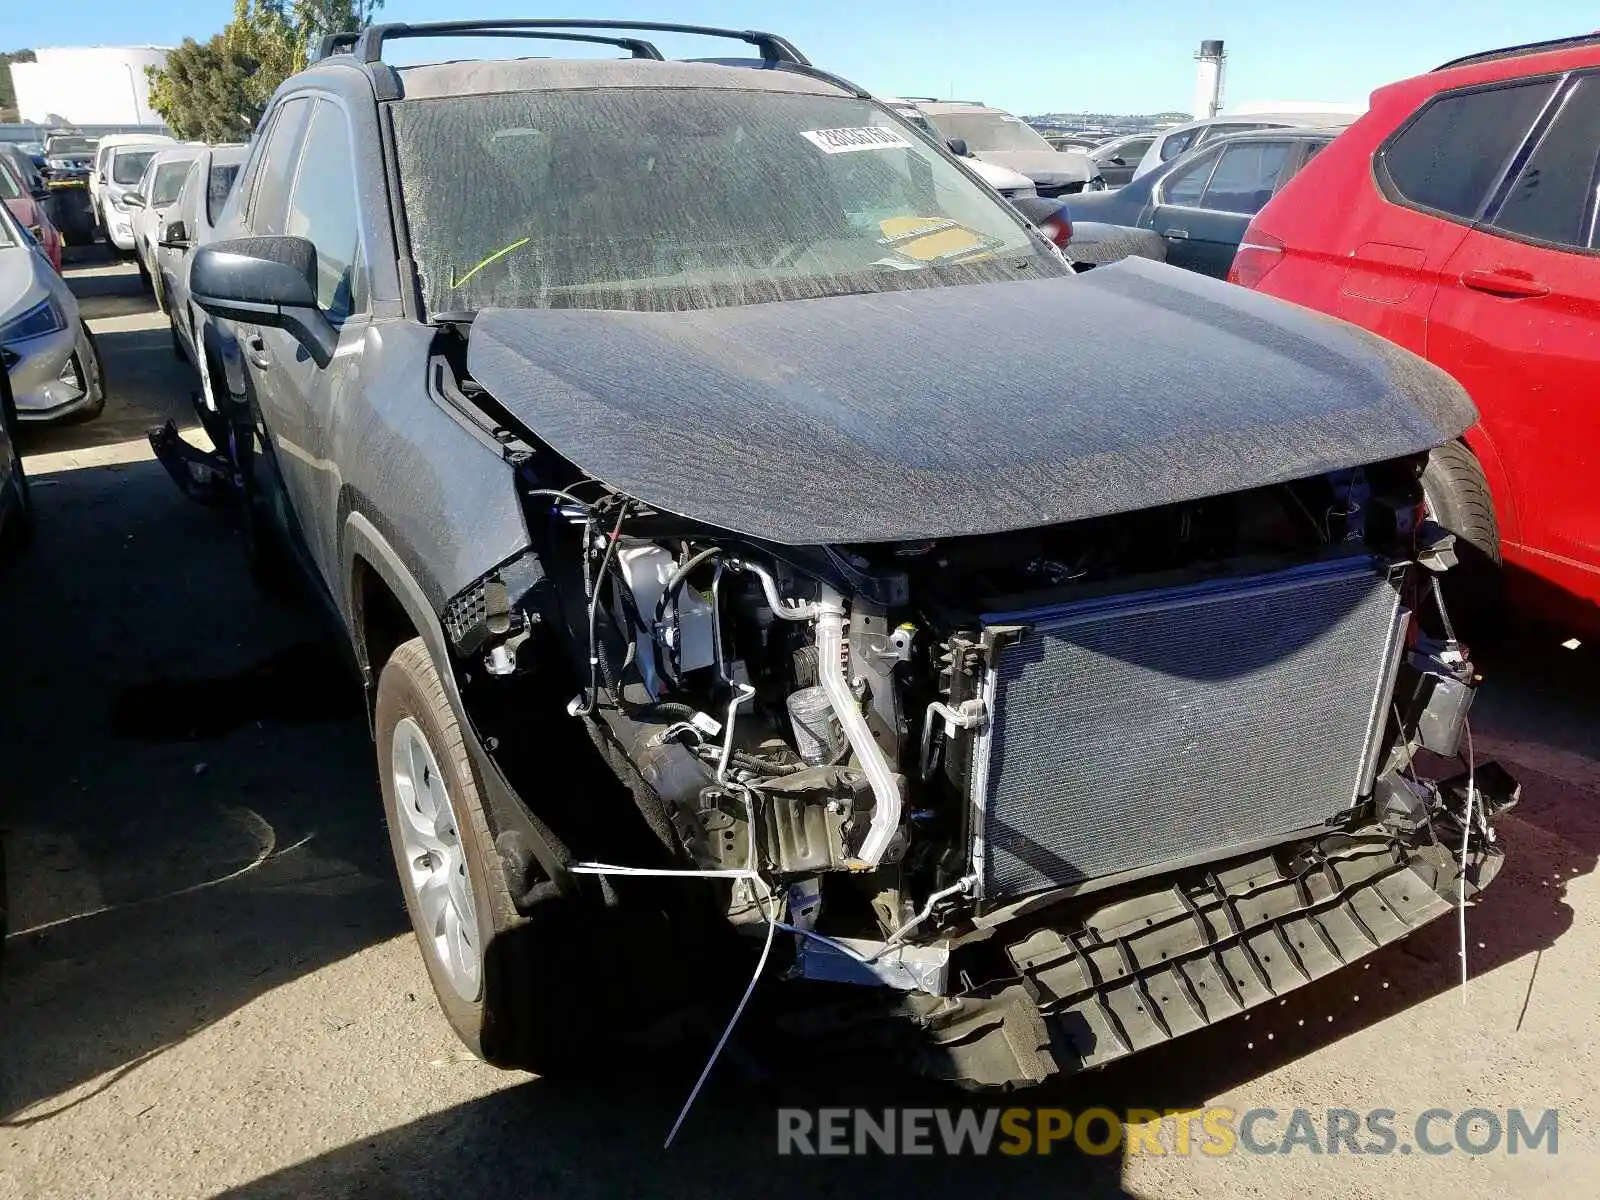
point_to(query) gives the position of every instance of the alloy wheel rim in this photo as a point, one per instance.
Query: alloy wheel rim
(435, 861)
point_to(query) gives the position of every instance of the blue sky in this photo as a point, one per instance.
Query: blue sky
(1026, 56)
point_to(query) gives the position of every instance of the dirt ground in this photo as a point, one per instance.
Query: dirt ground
(211, 985)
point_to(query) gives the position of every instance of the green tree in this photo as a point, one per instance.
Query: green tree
(217, 90)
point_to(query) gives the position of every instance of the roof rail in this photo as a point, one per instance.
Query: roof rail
(1566, 43)
(335, 43)
(839, 81)
(367, 46)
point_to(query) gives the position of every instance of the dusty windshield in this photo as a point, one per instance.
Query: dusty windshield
(128, 167)
(987, 131)
(650, 198)
(69, 147)
(168, 183)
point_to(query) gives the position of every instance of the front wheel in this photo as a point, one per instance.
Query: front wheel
(1457, 496)
(19, 525)
(510, 985)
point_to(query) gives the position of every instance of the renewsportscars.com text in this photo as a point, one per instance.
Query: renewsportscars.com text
(1213, 1131)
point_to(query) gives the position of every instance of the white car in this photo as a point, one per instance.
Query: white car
(1170, 143)
(119, 163)
(1013, 185)
(48, 352)
(190, 224)
(151, 203)
(994, 136)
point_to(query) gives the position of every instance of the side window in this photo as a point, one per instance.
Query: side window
(1177, 144)
(1246, 176)
(1188, 183)
(1452, 152)
(1133, 152)
(276, 173)
(1553, 199)
(189, 198)
(219, 187)
(322, 209)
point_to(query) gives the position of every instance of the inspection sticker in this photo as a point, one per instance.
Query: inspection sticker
(843, 141)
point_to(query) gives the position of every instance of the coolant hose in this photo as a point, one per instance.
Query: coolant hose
(829, 614)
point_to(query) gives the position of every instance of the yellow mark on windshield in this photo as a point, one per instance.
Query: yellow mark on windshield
(498, 254)
(944, 237)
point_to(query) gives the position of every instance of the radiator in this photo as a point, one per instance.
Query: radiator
(1169, 726)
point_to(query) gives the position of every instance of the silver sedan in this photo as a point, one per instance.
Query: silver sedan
(47, 349)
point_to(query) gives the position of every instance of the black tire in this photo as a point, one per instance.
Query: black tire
(177, 342)
(144, 275)
(88, 358)
(19, 524)
(532, 1010)
(1457, 495)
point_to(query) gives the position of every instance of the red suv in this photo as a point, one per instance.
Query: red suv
(1459, 219)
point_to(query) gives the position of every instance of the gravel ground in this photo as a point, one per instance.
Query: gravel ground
(212, 986)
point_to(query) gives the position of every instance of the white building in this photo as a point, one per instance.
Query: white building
(88, 85)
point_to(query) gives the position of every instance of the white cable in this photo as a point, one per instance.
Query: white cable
(727, 1032)
(750, 871)
(1466, 835)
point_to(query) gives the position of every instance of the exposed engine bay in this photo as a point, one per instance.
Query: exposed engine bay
(911, 758)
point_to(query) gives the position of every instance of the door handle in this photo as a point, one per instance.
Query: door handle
(1506, 282)
(1175, 233)
(255, 348)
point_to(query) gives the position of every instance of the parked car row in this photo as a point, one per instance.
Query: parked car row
(1200, 202)
(51, 362)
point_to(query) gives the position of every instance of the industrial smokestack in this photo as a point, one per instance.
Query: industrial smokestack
(1208, 79)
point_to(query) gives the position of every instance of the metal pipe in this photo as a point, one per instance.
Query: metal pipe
(829, 613)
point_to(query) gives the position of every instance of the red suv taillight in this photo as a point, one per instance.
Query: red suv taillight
(1258, 253)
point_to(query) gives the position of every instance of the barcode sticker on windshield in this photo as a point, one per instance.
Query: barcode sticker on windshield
(843, 141)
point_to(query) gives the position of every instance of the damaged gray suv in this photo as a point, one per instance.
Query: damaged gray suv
(753, 555)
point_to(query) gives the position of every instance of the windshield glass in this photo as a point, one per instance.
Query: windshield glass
(9, 187)
(69, 147)
(127, 166)
(989, 131)
(168, 182)
(650, 198)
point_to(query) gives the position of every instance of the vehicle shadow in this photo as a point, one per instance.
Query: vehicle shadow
(604, 1137)
(188, 802)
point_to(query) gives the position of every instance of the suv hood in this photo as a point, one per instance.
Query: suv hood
(960, 410)
(1049, 168)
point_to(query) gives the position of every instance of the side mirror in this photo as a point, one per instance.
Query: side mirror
(174, 236)
(958, 147)
(269, 281)
(133, 200)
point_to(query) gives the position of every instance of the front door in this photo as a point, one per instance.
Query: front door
(299, 398)
(1202, 214)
